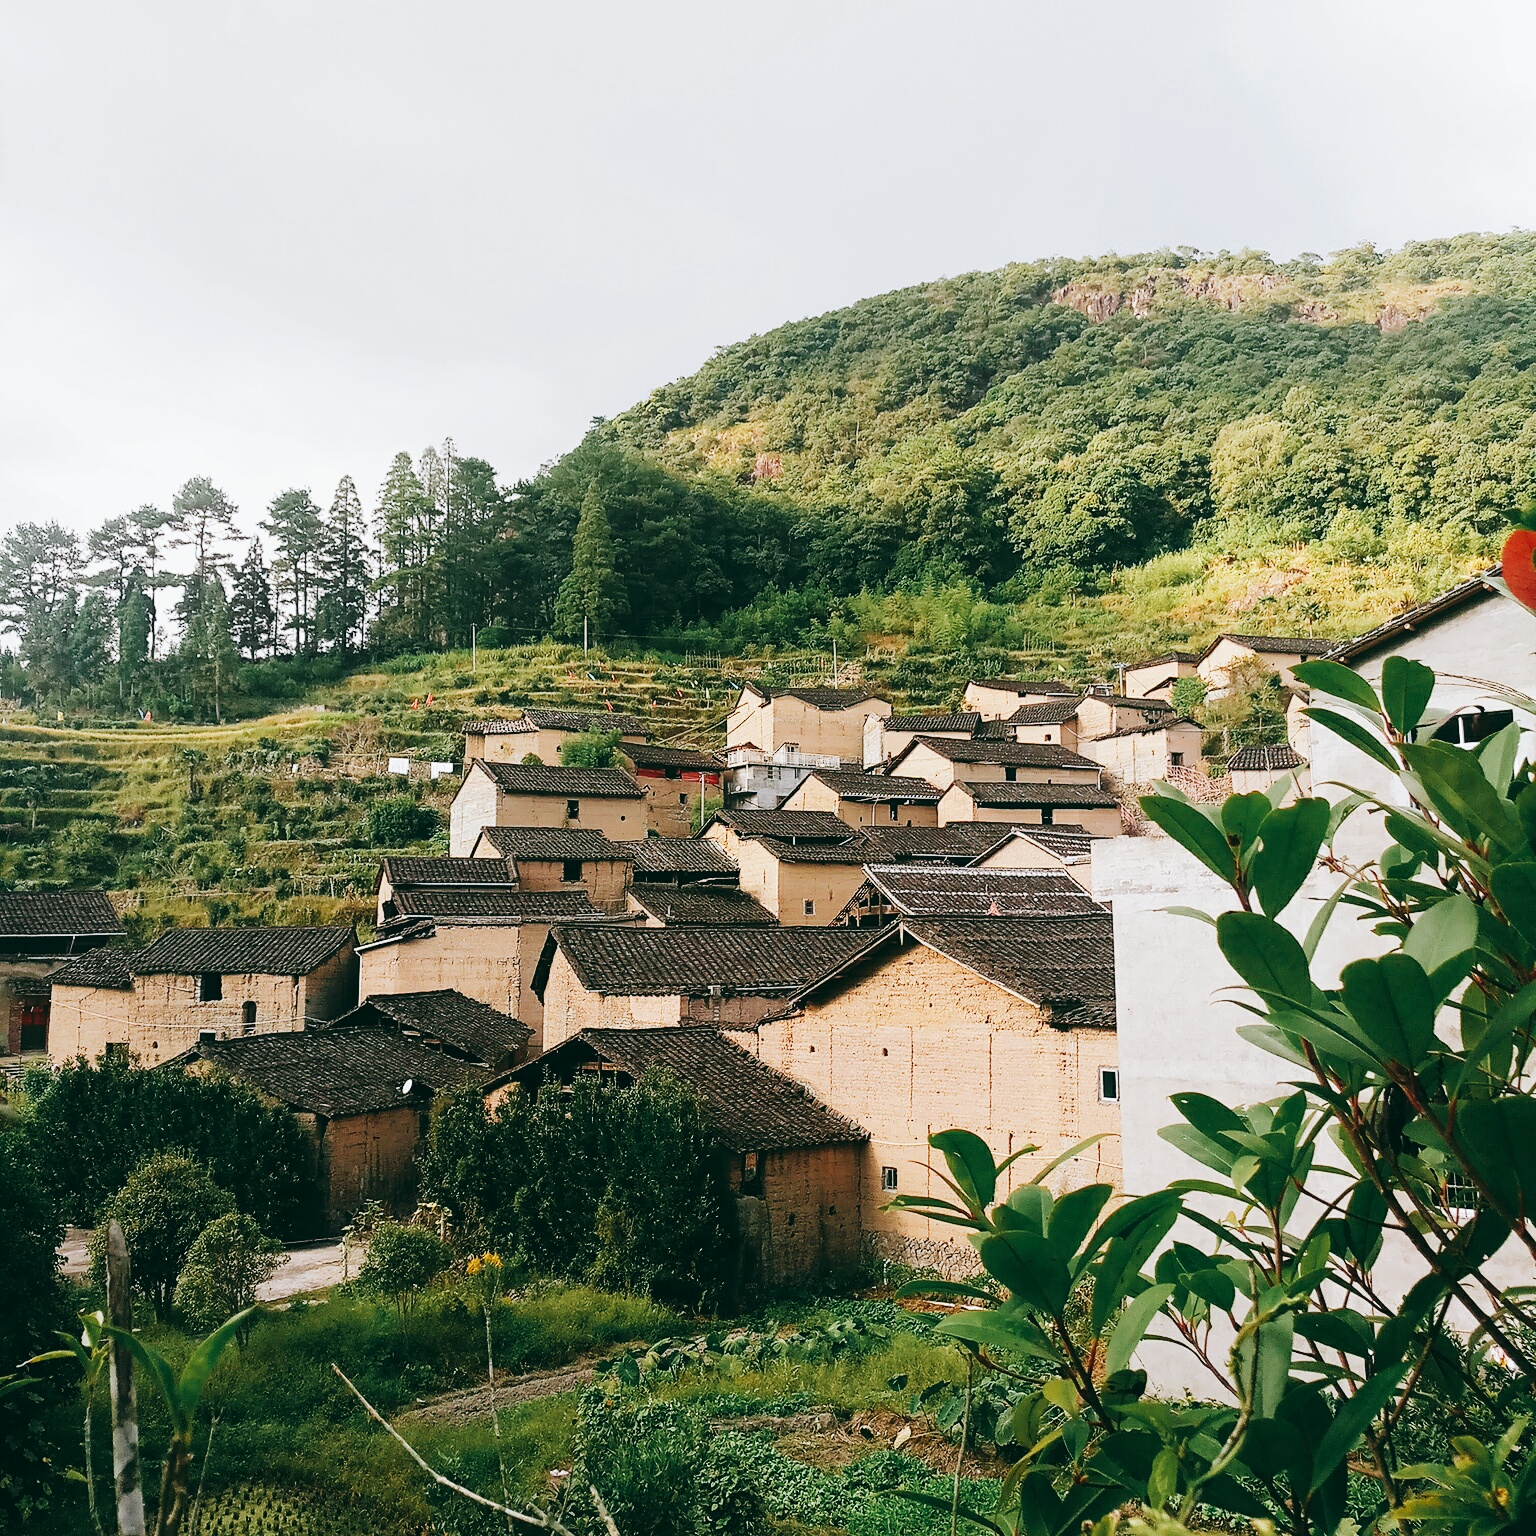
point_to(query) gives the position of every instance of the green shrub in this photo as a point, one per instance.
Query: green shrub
(165, 1205)
(591, 749)
(402, 1261)
(399, 820)
(229, 1260)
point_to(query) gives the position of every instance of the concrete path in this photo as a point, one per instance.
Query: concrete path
(310, 1267)
(470, 1402)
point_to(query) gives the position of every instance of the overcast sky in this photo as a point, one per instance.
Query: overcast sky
(276, 243)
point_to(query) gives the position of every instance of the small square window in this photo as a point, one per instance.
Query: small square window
(809, 907)
(573, 810)
(887, 1178)
(682, 799)
(1047, 815)
(570, 871)
(1176, 758)
(1011, 774)
(210, 987)
(1109, 1085)
(895, 810)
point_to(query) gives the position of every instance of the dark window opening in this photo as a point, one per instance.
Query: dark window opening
(117, 1050)
(33, 1021)
(570, 870)
(210, 987)
(1010, 774)
(248, 1015)
(206, 1036)
(888, 1178)
(1474, 725)
(1176, 758)
(1047, 815)
(1109, 1085)
(894, 809)
(573, 810)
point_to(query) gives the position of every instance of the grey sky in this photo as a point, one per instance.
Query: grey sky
(274, 243)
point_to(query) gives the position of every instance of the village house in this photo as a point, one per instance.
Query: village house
(445, 1020)
(562, 859)
(794, 1164)
(410, 873)
(1154, 678)
(682, 861)
(541, 733)
(895, 891)
(1028, 804)
(825, 721)
(200, 983)
(1003, 1026)
(1052, 721)
(1278, 653)
(942, 763)
(697, 905)
(1145, 754)
(602, 800)
(361, 1094)
(1068, 849)
(484, 942)
(868, 799)
(995, 698)
(623, 977)
(801, 865)
(677, 781)
(961, 842)
(38, 929)
(1260, 768)
(885, 736)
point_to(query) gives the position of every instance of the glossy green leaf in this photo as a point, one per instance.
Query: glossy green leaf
(1498, 756)
(1514, 888)
(1405, 689)
(1242, 817)
(1265, 955)
(1346, 1332)
(1193, 829)
(1163, 1480)
(971, 1164)
(1029, 1266)
(1353, 1419)
(1033, 1203)
(1074, 1215)
(1287, 852)
(1457, 787)
(1339, 681)
(1352, 731)
(1008, 1327)
(1390, 999)
(1443, 940)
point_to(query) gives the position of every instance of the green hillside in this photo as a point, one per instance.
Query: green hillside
(1143, 448)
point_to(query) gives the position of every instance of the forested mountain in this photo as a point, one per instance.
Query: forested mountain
(1085, 456)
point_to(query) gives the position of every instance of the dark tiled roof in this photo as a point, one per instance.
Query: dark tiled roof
(958, 843)
(583, 722)
(929, 890)
(30, 986)
(1143, 706)
(1052, 712)
(1280, 645)
(1147, 728)
(817, 698)
(572, 783)
(685, 759)
(492, 904)
(1189, 657)
(747, 1105)
(808, 826)
(57, 915)
(814, 853)
(548, 844)
(1082, 796)
(702, 904)
(97, 968)
(240, 951)
(1064, 963)
(472, 1027)
(1025, 685)
(661, 962)
(919, 724)
(661, 856)
(338, 1071)
(1405, 623)
(1000, 730)
(850, 784)
(1017, 754)
(410, 871)
(1064, 842)
(1251, 759)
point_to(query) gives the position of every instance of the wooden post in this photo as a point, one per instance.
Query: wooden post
(125, 1408)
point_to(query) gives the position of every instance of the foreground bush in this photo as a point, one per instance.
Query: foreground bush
(402, 1262)
(622, 1186)
(230, 1259)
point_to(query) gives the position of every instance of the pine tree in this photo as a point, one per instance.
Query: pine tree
(252, 618)
(342, 611)
(594, 592)
(297, 532)
(135, 623)
(151, 528)
(202, 516)
(402, 518)
(207, 647)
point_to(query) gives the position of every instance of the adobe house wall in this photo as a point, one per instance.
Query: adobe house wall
(746, 726)
(474, 806)
(813, 795)
(881, 744)
(569, 1008)
(1246, 780)
(920, 1044)
(622, 820)
(991, 703)
(1146, 757)
(368, 1157)
(1063, 735)
(330, 990)
(1018, 854)
(1139, 679)
(1216, 667)
(783, 720)
(604, 880)
(1102, 821)
(813, 1209)
(827, 887)
(482, 963)
(83, 1021)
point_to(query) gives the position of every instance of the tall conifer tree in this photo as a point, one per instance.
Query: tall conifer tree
(594, 592)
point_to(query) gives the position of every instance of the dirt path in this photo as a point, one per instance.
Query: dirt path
(313, 1267)
(471, 1402)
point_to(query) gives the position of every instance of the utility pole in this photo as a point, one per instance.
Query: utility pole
(125, 1411)
(584, 645)
(474, 655)
(834, 661)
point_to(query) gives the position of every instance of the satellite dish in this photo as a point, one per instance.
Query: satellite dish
(407, 1085)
